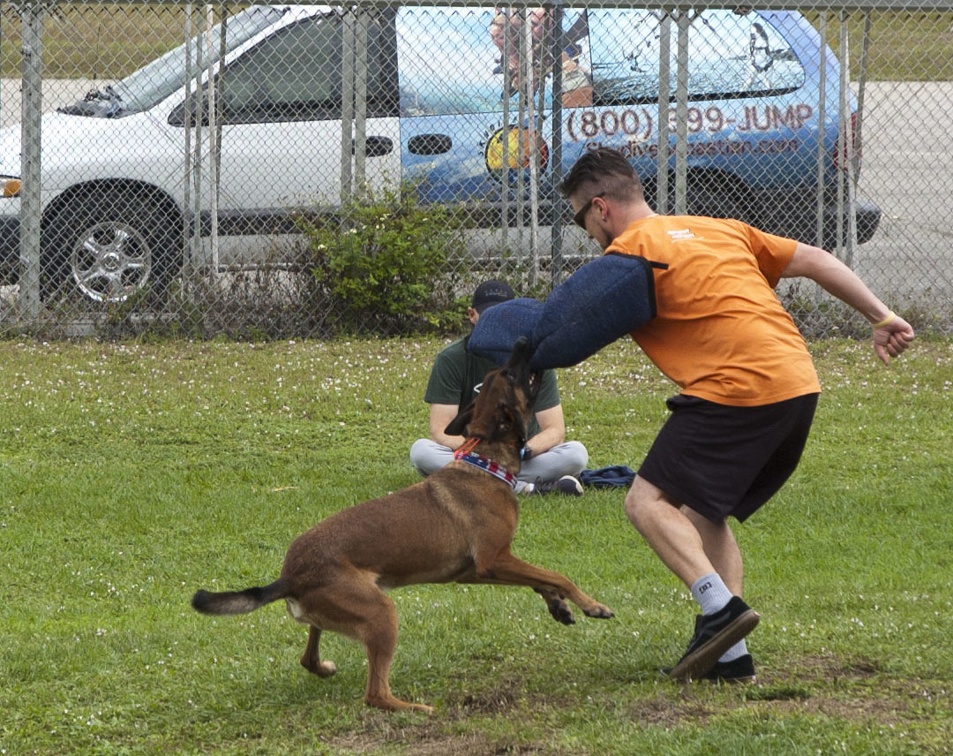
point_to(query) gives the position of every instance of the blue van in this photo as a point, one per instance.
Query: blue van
(477, 107)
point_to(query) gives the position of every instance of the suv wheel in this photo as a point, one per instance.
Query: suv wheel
(110, 261)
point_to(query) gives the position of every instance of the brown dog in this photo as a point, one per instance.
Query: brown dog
(455, 526)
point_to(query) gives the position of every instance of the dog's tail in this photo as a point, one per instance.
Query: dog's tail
(238, 602)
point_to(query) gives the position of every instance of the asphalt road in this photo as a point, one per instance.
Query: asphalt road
(908, 171)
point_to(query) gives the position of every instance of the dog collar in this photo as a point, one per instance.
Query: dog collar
(487, 465)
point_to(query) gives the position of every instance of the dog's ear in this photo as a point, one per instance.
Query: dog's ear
(518, 364)
(458, 426)
(535, 383)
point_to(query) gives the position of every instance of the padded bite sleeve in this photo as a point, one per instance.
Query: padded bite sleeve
(501, 325)
(604, 300)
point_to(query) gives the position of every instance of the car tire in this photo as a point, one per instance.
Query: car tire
(110, 248)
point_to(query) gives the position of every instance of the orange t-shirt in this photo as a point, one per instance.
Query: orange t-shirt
(720, 331)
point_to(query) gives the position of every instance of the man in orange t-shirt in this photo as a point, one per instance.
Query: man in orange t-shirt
(748, 387)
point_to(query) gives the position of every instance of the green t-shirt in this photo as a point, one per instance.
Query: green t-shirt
(457, 375)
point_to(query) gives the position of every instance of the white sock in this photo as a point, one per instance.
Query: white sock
(736, 651)
(711, 593)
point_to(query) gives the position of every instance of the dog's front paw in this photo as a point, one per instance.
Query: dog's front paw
(600, 611)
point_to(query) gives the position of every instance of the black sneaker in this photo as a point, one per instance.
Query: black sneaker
(715, 634)
(736, 671)
(567, 484)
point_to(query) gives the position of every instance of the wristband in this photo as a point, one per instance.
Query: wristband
(525, 453)
(891, 316)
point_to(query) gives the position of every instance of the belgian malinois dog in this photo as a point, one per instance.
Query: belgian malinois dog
(456, 525)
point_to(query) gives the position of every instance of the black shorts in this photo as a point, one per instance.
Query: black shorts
(721, 460)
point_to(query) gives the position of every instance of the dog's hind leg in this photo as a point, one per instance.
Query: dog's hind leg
(311, 660)
(355, 606)
(378, 631)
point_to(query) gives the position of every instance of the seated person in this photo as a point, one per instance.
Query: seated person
(550, 463)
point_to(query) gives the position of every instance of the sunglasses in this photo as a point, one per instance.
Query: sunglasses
(580, 217)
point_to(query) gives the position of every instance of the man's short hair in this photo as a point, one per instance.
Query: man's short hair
(603, 169)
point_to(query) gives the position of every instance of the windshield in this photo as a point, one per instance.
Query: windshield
(157, 80)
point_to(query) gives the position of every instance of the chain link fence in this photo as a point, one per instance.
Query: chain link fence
(276, 171)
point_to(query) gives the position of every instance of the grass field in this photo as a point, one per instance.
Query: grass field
(132, 474)
(111, 40)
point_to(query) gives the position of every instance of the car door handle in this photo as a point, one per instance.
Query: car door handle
(429, 144)
(376, 146)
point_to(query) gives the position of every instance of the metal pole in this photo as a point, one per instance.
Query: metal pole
(505, 133)
(821, 127)
(845, 175)
(556, 236)
(520, 149)
(197, 154)
(681, 115)
(861, 92)
(347, 103)
(31, 111)
(188, 238)
(360, 100)
(213, 146)
(661, 120)
(532, 147)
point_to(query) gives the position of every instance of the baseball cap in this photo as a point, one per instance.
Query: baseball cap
(490, 293)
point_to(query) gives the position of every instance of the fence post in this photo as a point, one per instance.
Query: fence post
(822, 128)
(662, 118)
(683, 24)
(31, 114)
(557, 45)
(348, 42)
(360, 96)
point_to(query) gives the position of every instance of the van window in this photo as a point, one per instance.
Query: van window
(453, 60)
(296, 74)
(731, 55)
(458, 60)
(165, 76)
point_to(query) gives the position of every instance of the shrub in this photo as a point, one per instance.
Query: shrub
(385, 263)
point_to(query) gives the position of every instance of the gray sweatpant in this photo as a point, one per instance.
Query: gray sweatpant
(569, 458)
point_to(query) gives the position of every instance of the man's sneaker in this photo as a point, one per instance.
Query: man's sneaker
(715, 634)
(567, 484)
(736, 672)
(740, 670)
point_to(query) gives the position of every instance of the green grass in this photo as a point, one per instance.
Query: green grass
(902, 46)
(96, 40)
(132, 474)
(103, 41)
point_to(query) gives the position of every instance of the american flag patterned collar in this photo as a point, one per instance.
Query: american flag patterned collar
(466, 454)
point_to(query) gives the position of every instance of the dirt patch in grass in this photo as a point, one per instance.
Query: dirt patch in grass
(856, 692)
(495, 701)
(423, 741)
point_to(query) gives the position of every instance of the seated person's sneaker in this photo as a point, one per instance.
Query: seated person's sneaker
(715, 634)
(567, 484)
